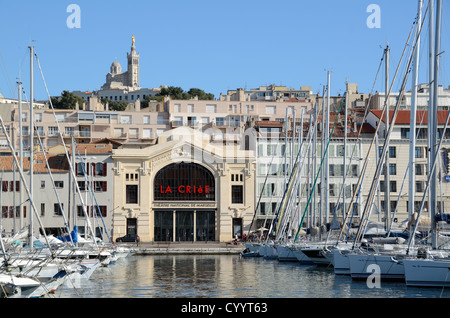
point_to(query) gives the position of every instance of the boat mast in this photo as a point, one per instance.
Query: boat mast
(433, 132)
(344, 174)
(387, 201)
(412, 129)
(31, 130)
(327, 138)
(20, 153)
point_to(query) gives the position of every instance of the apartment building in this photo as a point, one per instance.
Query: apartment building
(398, 159)
(227, 119)
(85, 125)
(56, 197)
(423, 98)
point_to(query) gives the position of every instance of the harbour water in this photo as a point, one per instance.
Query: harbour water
(229, 276)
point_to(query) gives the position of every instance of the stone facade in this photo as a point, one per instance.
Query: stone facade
(228, 168)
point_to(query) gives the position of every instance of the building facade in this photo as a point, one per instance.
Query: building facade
(57, 199)
(185, 188)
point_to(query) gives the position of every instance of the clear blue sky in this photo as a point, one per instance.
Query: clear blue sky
(209, 44)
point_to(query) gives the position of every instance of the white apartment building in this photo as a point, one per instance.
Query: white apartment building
(49, 190)
(423, 97)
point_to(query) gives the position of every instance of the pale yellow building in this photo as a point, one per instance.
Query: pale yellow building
(184, 188)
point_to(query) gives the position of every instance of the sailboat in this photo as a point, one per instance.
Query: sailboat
(388, 261)
(427, 269)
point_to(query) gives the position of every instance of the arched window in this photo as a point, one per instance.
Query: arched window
(184, 182)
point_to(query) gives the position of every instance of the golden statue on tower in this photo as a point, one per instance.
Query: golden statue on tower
(133, 39)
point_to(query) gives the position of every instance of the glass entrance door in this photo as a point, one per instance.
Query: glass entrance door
(185, 226)
(163, 226)
(206, 225)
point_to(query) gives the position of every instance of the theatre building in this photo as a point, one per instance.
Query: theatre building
(186, 187)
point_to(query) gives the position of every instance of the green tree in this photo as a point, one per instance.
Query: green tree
(118, 105)
(67, 100)
(179, 93)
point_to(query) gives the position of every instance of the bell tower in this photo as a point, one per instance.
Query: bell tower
(133, 65)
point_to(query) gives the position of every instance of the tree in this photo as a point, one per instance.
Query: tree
(178, 93)
(67, 100)
(118, 105)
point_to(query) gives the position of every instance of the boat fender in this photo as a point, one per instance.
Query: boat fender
(422, 253)
(393, 259)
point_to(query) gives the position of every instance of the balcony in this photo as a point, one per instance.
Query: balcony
(121, 136)
(227, 123)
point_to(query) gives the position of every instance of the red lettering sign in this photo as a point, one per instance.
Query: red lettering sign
(187, 189)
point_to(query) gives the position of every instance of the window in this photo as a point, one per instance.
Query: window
(125, 119)
(183, 182)
(100, 169)
(420, 186)
(58, 208)
(52, 131)
(134, 133)
(42, 184)
(392, 169)
(82, 185)
(178, 120)
(147, 133)
(392, 186)
(191, 121)
(270, 110)
(262, 208)
(42, 209)
(176, 108)
(118, 132)
(419, 152)
(237, 194)
(59, 184)
(404, 133)
(81, 169)
(100, 186)
(220, 121)
(146, 120)
(131, 194)
(392, 152)
(211, 108)
(190, 108)
(420, 169)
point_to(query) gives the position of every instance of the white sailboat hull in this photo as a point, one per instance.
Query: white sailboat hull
(300, 256)
(340, 262)
(285, 254)
(427, 272)
(390, 267)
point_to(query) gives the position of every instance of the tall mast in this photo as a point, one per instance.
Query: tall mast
(20, 153)
(433, 131)
(31, 130)
(387, 201)
(345, 147)
(430, 82)
(412, 130)
(327, 137)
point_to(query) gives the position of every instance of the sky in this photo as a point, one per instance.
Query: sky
(208, 44)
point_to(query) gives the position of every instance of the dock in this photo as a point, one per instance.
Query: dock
(186, 248)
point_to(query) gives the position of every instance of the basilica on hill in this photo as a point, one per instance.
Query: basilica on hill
(116, 79)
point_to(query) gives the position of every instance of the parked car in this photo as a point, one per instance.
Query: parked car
(128, 238)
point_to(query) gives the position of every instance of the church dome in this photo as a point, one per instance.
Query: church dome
(116, 68)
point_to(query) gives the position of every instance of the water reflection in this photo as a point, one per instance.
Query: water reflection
(217, 276)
